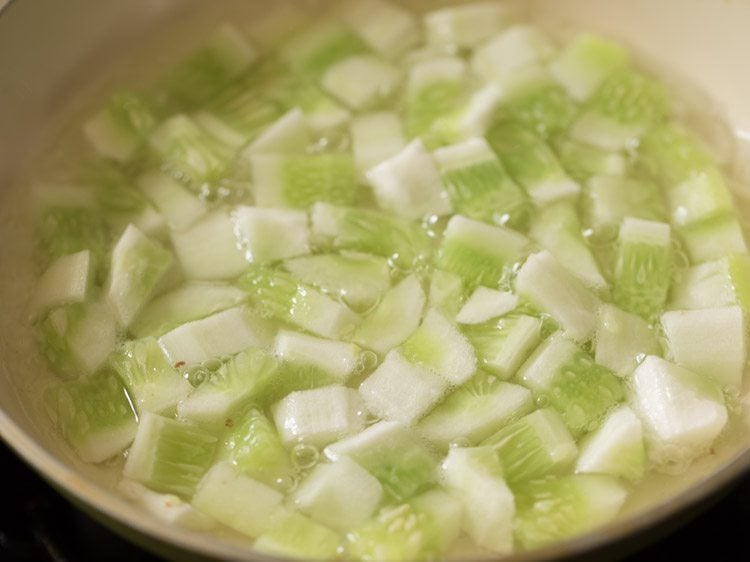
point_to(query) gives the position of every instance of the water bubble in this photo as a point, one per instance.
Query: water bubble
(366, 361)
(305, 456)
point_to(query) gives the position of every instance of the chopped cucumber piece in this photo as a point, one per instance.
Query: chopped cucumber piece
(394, 319)
(465, 25)
(701, 196)
(643, 272)
(282, 296)
(435, 88)
(78, 338)
(475, 476)
(514, 48)
(474, 116)
(624, 107)
(531, 162)
(485, 304)
(409, 184)
(300, 537)
(558, 229)
(554, 289)
(393, 454)
(361, 81)
(438, 346)
(418, 530)
(616, 448)
(212, 67)
(503, 345)
(94, 414)
(387, 28)
(622, 340)
(341, 495)
(611, 199)
(254, 447)
(534, 101)
(191, 155)
(475, 411)
(585, 64)
(362, 230)
(66, 281)
(153, 383)
(167, 507)
(239, 502)
(565, 377)
(710, 341)
(533, 446)
(180, 208)
(192, 301)
(478, 185)
(714, 238)
(723, 282)
(170, 456)
(271, 234)
(552, 509)
(215, 337)
(337, 358)
(375, 137)
(290, 133)
(208, 250)
(122, 127)
(401, 391)
(236, 382)
(299, 181)
(320, 46)
(583, 160)
(319, 416)
(682, 411)
(446, 292)
(481, 254)
(138, 266)
(359, 280)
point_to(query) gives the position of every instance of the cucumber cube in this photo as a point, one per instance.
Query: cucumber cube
(180, 208)
(533, 446)
(338, 359)
(152, 381)
(289, 134)
(319, 416)
(66, 281)
(438, 346)
(341, 495)
(215, 337)
(300, 537)
(682, 412)
(95, 415)
(560, 374)
(321, 45)
(387, 28)
(409, 184)
(514, 48)
(394, 319)
(208, 250)
(714, 238)
(724, 282)
(503, 345)
(236, 382)
(401, 391)
(475, 411)
(239, 502)
(375, 137)
(610, 199)
(552, 509)
(271, 234)
(622, 340)
(170, 456)
(392, 453)
(481, 254)
(475, 477)
(547, 284)
(582, 160)
(485, 304)
(465, 25)
(361, 81)
(616, 448)
(138, 266)
(710, 341)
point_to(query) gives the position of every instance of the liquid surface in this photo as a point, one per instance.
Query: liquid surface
(226, 182)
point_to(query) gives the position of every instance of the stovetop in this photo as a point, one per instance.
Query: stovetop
(38, 525)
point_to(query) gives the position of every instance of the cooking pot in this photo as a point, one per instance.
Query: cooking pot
(58, 58)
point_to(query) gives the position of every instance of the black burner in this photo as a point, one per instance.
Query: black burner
(38, 525)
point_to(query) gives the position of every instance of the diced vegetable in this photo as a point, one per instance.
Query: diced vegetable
(375, 137)
(723, 282)
(485, 304)
(321, 45)
(514, 48)
(465, 25)
(300, 537)
(290, 133)
(271, 234)
(337, 358)
(361, 81)
(503, 345)
(385, 27)
(180, 208)
(622, 339)
(66, 281)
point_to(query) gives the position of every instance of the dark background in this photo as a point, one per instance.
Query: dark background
(38, 525)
